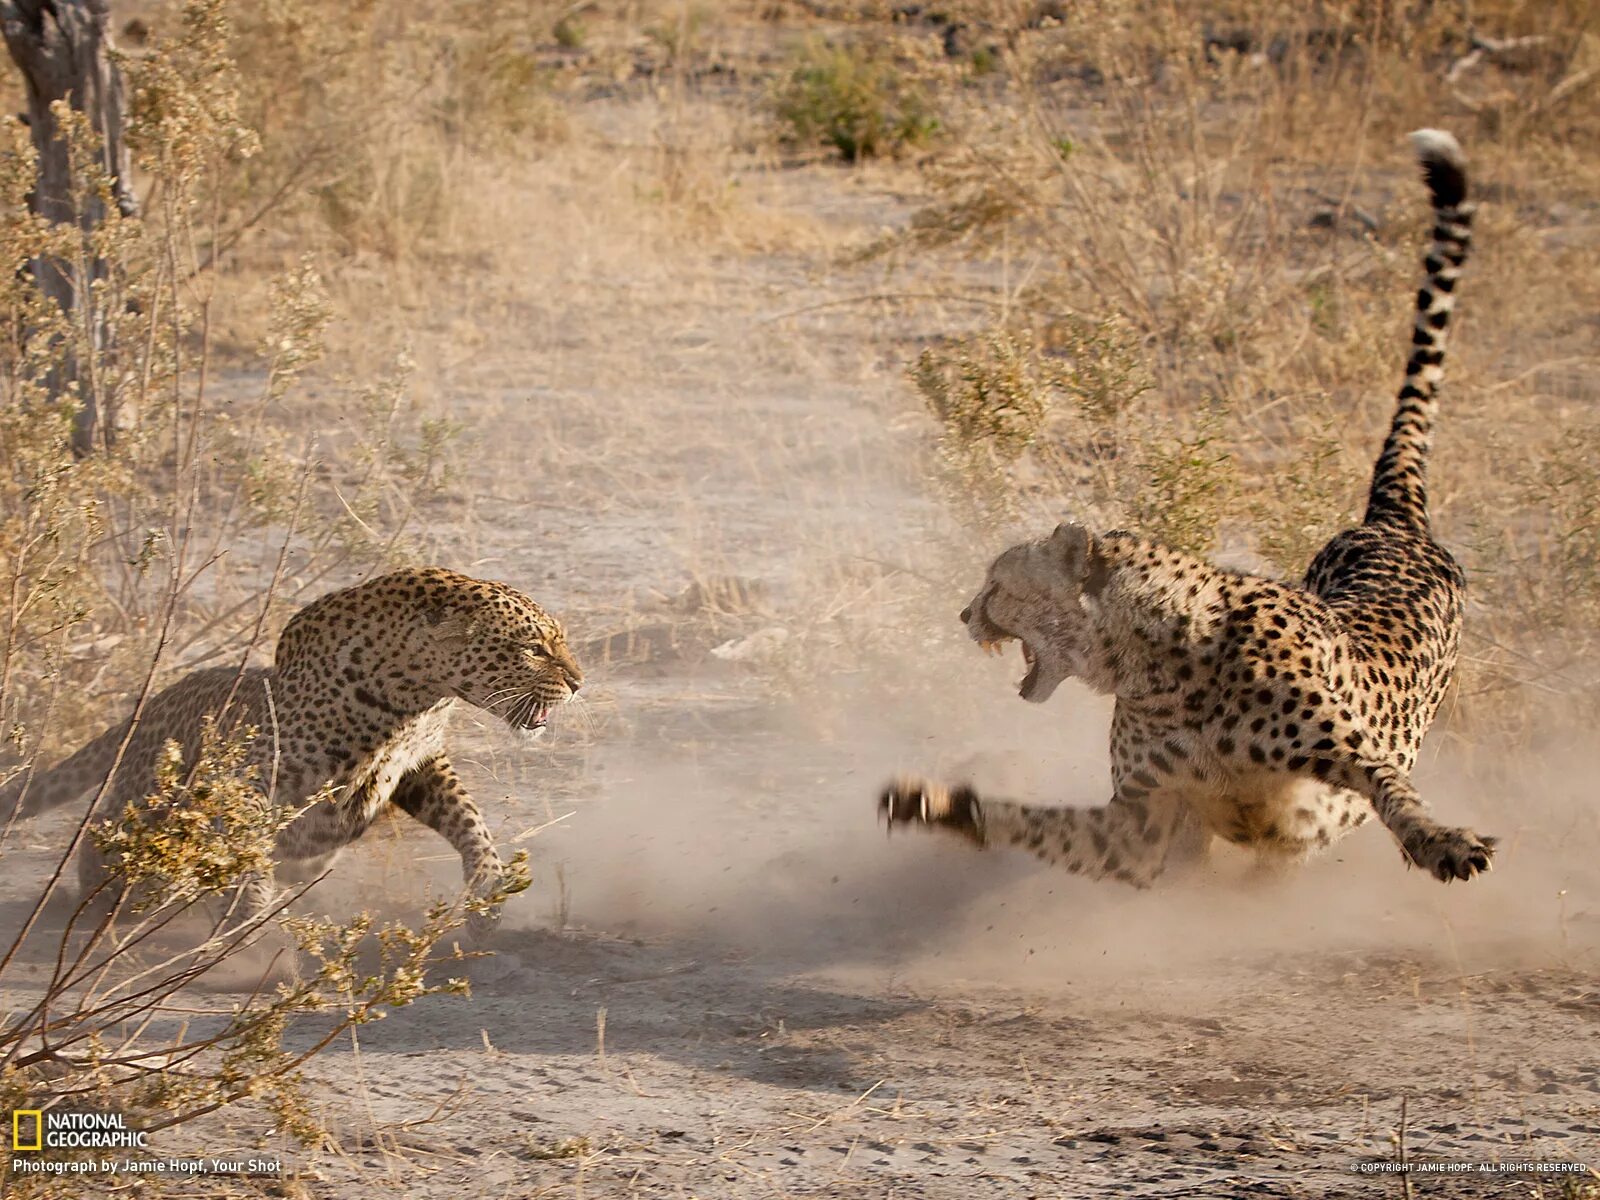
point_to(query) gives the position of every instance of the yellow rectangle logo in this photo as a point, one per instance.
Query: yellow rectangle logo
(16, 1128)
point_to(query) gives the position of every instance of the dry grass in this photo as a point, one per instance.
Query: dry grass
(1154, 270)
(1235, 195)
(1209, 223)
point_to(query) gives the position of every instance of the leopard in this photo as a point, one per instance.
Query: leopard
(1276, 716)
(347, 724)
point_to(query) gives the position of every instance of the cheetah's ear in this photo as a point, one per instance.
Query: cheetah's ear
(1079, 556)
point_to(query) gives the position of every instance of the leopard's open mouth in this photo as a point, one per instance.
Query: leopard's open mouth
(1026, 684)
(530, 714)
(526, 713)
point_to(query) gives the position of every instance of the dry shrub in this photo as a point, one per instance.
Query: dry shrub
(1564, 484)
(203, 828)
(1309, 500)
(853, 99)
(1027, 433)
(369, 116)
(184, 538)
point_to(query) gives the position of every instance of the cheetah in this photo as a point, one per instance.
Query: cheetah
(349, 720)
(1274, 716)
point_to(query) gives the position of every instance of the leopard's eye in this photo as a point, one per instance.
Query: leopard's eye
(538, 652)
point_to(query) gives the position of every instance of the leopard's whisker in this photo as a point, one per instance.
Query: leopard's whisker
(509, 698)
(494, 696)
(581, 705)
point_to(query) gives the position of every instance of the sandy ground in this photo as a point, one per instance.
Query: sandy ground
(728, 982)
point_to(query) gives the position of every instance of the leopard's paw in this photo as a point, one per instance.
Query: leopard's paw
(483, 907)
(480, 926)
(910, 800)
(1449, 854)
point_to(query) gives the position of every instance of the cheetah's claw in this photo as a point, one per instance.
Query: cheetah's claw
(1451, 854)
(909, 800)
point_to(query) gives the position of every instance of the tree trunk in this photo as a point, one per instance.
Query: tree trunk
(61, 47)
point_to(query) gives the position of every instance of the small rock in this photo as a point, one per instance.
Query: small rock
(761, 644)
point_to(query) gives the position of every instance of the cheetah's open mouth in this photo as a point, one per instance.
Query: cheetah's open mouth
(1027, 683)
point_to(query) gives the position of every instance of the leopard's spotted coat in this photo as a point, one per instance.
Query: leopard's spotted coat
(354, 707)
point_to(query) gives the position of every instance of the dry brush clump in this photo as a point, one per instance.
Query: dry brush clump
(183, 539)
(855, 99)
(372, 123)
(1227, 189)
(1028, 429)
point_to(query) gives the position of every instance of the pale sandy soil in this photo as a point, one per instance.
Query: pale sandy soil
(728, 983)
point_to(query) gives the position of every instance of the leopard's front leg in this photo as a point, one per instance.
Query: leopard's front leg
(1128, 839)
(252, 900)
(433, 794)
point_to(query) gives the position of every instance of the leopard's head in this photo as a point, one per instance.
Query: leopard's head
(405, 642)
(1041, 594)
(499, 651)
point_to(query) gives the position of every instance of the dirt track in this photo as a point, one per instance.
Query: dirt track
(794, 1005)
(755, 993)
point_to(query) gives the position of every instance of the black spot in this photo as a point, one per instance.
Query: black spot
(371, 701)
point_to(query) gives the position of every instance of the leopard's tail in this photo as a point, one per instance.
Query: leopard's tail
(1399, 481)
(31, 793)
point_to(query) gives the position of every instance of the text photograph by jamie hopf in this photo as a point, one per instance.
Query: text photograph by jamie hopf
(77, 1142)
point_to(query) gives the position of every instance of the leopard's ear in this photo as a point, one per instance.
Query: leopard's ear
(451, 630)
(1079, 556)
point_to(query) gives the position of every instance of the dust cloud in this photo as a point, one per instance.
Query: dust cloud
(771, 849)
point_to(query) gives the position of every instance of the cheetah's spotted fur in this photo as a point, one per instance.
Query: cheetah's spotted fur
(1272, 715)
(355, 705)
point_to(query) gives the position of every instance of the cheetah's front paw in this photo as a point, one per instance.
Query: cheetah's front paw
(909, 800)
(1449, 854)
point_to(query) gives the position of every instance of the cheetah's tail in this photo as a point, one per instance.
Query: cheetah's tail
(1399, 480)
(28, 795)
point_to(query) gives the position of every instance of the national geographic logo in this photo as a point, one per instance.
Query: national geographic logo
(57, 1129)
(19, 1120)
